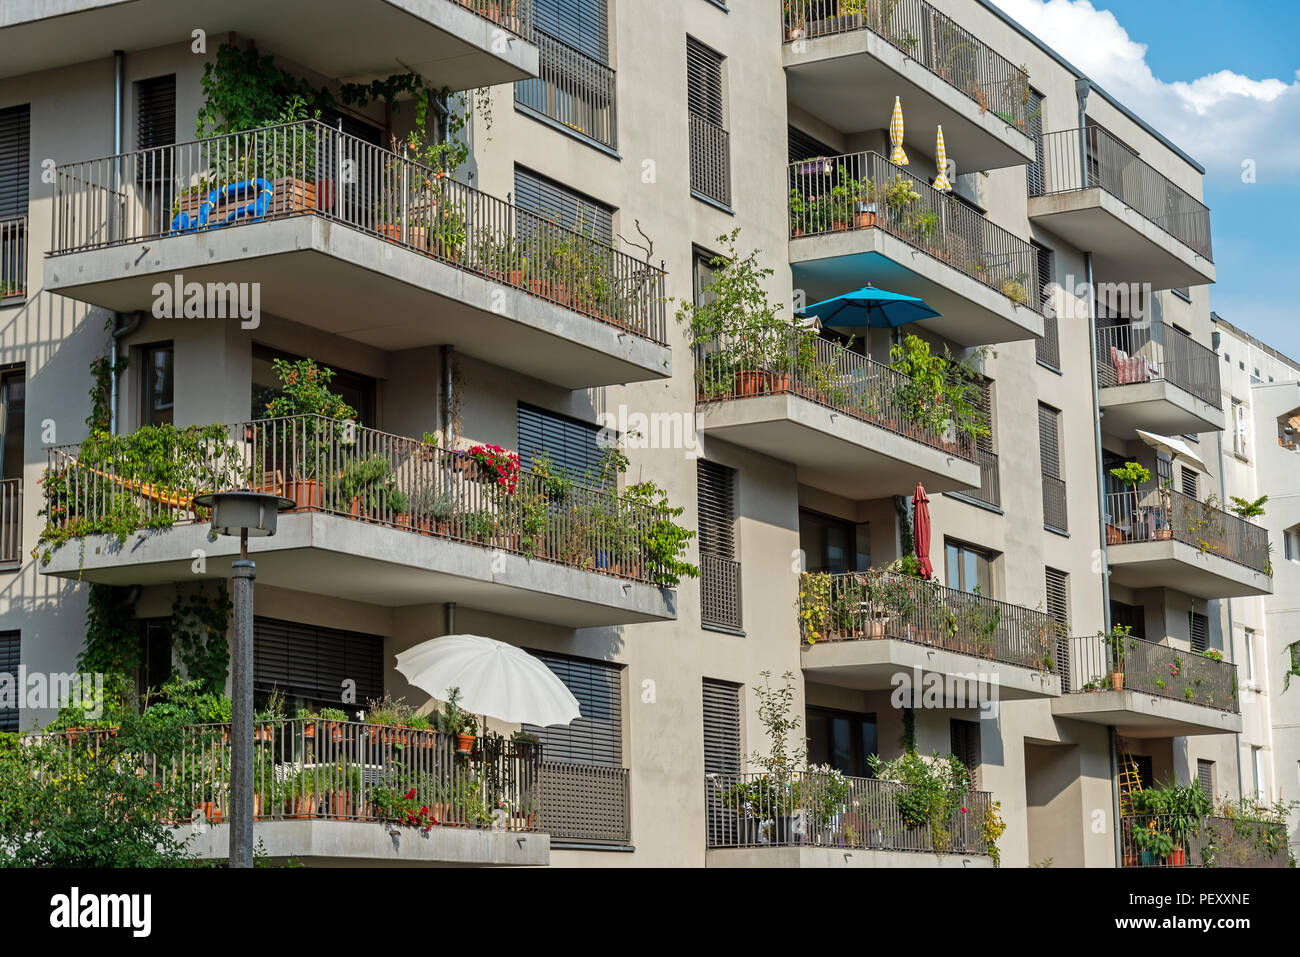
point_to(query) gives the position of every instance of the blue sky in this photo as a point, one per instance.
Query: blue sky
(1219, 79)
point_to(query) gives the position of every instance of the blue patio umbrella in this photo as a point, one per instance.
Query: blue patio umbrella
(869, 306)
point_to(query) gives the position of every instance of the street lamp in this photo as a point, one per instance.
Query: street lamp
(242, 514)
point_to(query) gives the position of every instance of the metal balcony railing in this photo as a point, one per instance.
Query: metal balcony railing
(1159, 840)
(720, 592)
(11, 521)
(341, 468)
(1098, 664)
(865, 191)
(803, 364)
(13, 257)
(1093, 158)
(573, 89)
(814, 809)
(1055, 514)
(990, 489)
(515, 15)
(1155, 514)
(710, 159)
(934, 40)
(585, 803)
(868, 605)
(1129, 354)
(306, 168)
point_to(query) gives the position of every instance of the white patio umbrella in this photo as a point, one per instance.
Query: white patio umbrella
(495, 679)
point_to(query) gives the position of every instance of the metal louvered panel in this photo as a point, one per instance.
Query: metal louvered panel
(1187, 481)
(1048, 347)
(721, 727)
(10, 644)
(717, 503)
(570, 445)
(1205, 776)
(1034, 171)
(596, 738)
(1198, 626)
(312, 662)
(704, 82)
(1058, 606)
(965, 740)
(802, 146)
(586, 803)
(582, 24)
(155, 112)
(1049, 440)
(984, 403)
(710, 144)
(574, 210)
(720, 592)
(575, 90)
(15, 160)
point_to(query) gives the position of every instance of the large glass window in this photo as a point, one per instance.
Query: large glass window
(13, 410)
(357, 390)
(969, 568)
(157, 386)
(842, 739)
(833, 545)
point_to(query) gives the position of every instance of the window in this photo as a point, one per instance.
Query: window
(15, 174)
(10, 645)
(357, 390)
(969, 568)
(1130, 615)
(157, 384)
(1205, 776)
(597, 736)
(569, 444)
(709, 142)
(843, 739)
(575, 85)
(13, 411)
(1049, 448)
(1291, 543)
(965, 738)
(703, 271)
(1183, 292)
(721, 727)
(155, 653)
(155, 113)
(1142, 764)
(1248, 647)
(1257, 766)
(832, 545)
(571, 209)
(310, 663)
(1048, 348)
(1198, 628)
(719, 571)
(1187, 481)
(804, 146)
(1239, 428)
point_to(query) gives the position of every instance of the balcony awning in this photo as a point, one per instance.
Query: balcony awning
(1174, 448)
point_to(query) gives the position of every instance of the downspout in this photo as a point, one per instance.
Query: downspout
(448, 400)
(1101, 468)
(1215, 338)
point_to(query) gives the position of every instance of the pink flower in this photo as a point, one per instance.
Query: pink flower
(963, 810)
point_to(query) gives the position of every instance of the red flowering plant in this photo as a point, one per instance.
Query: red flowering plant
(405, 807)
(503, 465)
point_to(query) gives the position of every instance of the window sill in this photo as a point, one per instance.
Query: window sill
(708, 201)
(734, 632)
(976, 502)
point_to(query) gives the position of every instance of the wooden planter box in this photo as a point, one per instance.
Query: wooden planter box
(288, 196)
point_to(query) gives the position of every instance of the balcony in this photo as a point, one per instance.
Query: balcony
(989, 491)
(13, 259)
(852, 426)
(1161, 538)
(452, 43)
(1212, 842)
(356, 241)
(1157, 379)
(1148, 690)
(573, 91)
(946, 76)
(815, 820)
(1095, 193)
(859, 630)
(851, 223)
(380, 518)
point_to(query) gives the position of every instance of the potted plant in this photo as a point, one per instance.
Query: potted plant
(458, 722)
(433, 510)
(305, 393)
(1131, 474)
(333, 721)
(502, 257)
(265, 721)
(1118, 642)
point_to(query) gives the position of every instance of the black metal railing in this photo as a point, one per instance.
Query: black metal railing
(1161, 840)
(515, 15)
(720, 592)
(11, 521)
(710, 159)
(831, 194)
(306, 168)
(1092, 158)
(934, 40)
(573, 89)
(801, 363)
(1160, 514)
(822, 809)
(13, 257)
(1055, 513)
(866, 605)
(1130, 354)
(990, 487)
(1098, 663)
(341, 468)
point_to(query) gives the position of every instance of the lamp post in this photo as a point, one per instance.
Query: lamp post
(242, 514)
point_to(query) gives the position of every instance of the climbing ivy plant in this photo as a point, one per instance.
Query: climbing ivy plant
(200, 620)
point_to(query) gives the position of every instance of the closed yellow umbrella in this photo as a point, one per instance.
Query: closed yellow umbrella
(896, 134)
(941, 161)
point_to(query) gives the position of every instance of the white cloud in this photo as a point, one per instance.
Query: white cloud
(1220, 119)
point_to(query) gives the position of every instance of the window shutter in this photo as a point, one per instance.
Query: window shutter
(569, 444)
(965, 740)
(573, 210)
(1187, 478)
(804, 147)
(597, 736)
(155, 112)
(311, 662)
(717, 509)
(1047, 348)
(581, 24)
(704, 82)
(1058, 598)
(1049, 440)
(15, 160)
(1205, 776)
(10, 645)
(1198, 627)
(983, 400)
(721, 727)
(1034, 171)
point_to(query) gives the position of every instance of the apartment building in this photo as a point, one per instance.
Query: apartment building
(639, 134)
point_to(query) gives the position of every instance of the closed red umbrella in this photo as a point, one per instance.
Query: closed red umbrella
(921, 529)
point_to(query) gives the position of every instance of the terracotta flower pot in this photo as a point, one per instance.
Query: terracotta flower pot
(864, 219)
(1178, 858)
(306, 494)
(1117, 680)
(465, 743)
(263, 733)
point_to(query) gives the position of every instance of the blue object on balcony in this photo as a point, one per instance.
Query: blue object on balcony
(259, 189)
(869, 307)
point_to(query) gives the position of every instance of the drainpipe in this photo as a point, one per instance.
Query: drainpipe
(1114, 793)
(449, 609)
(1101, 469)
(119, 87)
(448, 401)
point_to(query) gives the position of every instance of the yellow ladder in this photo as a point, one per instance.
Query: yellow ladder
(1129, 781)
